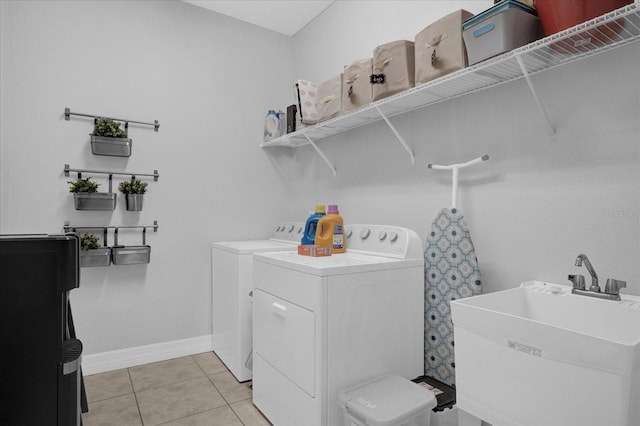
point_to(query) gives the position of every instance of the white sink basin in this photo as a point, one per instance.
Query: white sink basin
(539, 355)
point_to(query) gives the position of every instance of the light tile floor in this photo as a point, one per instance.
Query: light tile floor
(195, 390)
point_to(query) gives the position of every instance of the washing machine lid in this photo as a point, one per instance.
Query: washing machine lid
(337, 264)
(254, 246)
(284, 236)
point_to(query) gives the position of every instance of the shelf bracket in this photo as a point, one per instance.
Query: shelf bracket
(525, 73)
(404, 144)
(321, 154)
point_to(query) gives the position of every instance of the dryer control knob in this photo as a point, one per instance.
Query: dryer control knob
(393, 237)
(364, 234)
(279, 228)
(349, 233)
(300, 230)
(382, 235)
(292, 228)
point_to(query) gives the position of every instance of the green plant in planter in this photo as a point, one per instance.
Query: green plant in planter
(89, 242)
(108, 128)
(134, 186)
(83, 185)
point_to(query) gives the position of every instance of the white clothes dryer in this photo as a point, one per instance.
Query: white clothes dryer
(232, 284)
(324, 324)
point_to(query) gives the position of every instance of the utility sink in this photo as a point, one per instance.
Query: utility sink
(539, 355)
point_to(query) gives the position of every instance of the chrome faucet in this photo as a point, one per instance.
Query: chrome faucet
(592, 272)
(611, 290)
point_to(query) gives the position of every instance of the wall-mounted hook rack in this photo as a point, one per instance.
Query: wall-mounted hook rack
(68, 169)
(72, 228)
(68, 114)
(118, 254)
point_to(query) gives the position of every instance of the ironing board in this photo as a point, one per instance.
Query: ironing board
(451, 272)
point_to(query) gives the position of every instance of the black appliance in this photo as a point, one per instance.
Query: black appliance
(40, 376)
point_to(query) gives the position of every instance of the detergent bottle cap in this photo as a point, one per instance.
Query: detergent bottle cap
(320, 208)
(333, 208)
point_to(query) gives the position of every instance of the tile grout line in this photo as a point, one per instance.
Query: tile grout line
(226, 403)
(211, 380)
(167, 384)
(221, 394)
(216, 388)
(237, 415)
(226, 369)
(170, 384)
(195, 414)
(135, 396)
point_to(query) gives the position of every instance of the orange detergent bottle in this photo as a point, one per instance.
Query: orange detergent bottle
(330, 231)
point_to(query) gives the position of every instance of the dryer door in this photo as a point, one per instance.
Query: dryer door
(284, 335)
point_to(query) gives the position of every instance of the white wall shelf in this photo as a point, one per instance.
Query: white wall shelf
(612, 30)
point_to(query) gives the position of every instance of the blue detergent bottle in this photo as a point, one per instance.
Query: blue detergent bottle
(312, 224)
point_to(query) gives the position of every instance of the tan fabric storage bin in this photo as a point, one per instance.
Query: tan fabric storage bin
(393, 68)
(307, 100)
(440, 48)
(330, 98)
(356, 87)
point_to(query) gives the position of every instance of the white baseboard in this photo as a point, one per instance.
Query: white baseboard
(130, 357)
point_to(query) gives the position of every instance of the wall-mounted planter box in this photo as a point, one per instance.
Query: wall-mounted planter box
(134, 202)
(95, 200)
(95, 257)
(115, 147)
(130, 255)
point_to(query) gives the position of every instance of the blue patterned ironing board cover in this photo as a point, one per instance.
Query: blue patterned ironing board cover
(451, 272)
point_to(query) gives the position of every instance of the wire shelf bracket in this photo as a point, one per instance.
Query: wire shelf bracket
(525, 73)
(404, 143)
(321, 154)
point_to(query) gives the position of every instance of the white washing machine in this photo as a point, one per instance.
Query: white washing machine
(232, 283)
(324, 324)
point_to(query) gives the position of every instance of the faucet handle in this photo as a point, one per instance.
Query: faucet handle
(614, 286)
(578, 281)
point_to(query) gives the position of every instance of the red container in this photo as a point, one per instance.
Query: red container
(558, 15)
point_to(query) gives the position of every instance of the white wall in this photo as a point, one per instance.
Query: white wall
(209, 80)
(535, 205)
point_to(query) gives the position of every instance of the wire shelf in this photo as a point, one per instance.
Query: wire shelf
(610, 31)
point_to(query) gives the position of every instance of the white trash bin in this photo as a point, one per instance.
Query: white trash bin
(387, 401)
